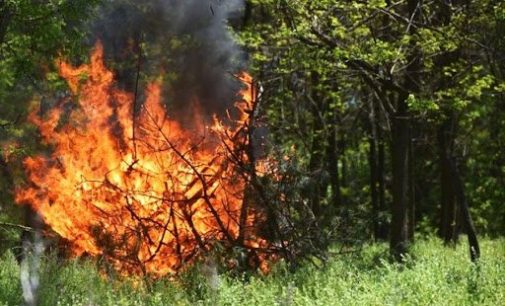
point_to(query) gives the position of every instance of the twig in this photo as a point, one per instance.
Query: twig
(18, 226)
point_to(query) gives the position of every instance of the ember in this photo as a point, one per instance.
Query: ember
(138, 189)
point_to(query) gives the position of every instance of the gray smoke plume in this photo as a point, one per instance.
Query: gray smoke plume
(33, 248)
(187, 40)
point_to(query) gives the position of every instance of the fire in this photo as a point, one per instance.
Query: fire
(138, 189)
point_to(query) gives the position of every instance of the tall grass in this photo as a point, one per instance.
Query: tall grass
(432, 275)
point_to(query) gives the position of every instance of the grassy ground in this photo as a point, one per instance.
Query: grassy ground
(434, 275)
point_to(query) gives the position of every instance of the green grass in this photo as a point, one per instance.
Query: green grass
(433, 275)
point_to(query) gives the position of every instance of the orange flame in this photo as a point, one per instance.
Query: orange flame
(149, 203)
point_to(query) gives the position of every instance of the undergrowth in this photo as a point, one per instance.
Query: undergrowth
(432, 275)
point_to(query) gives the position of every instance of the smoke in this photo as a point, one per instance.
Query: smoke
(33, 248)
(187, 41)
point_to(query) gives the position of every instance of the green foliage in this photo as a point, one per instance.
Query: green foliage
(434, 275)
(32, 35)
(10, 291)
(323, 63)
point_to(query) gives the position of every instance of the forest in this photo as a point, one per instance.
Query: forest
(252, 152)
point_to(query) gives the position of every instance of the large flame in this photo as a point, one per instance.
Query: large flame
(138, 189)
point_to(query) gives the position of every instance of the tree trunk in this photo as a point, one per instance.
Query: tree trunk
(400, 162)
(457, 192)
(374, 174)
(6, 172)
(402, 222)
(459, 189)
(383, 226)
(343, 173)
(412, 191)
(373, 187)
(448, 219)
(333, 160)
(247, 13)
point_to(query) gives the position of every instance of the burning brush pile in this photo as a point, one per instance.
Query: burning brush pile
(136, 188)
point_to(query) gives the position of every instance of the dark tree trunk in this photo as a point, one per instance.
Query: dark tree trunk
(412, 191)
(402, 223)
(373, 187)
(383, 226)
(449, 215)
(333, 160)
(400, 162)
(384, 229)
(374, 174)
(459, 189)
(343, 177)
(344, 209)
(247, 13)
(6, 172)
(448, 218)
(455, 191)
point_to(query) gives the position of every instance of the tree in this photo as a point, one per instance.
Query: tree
(416, 68)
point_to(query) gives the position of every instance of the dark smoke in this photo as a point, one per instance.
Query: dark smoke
(188, 41)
